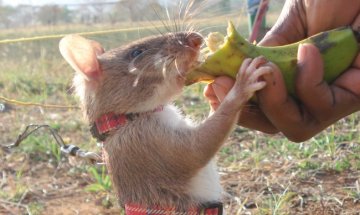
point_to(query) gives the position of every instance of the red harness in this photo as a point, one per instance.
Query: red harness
(211, 209)
(111, 121)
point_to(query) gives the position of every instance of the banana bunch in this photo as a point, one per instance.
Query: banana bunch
(337, 47)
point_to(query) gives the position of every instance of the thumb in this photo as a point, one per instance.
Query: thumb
(310, 66)
(310, 87)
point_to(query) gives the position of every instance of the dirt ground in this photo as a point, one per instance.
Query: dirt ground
(31, 184)
(60, 192)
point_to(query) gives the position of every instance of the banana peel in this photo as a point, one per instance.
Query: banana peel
(338, 48)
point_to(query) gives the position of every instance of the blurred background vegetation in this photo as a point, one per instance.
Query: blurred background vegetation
(261, 174)
(92, 12)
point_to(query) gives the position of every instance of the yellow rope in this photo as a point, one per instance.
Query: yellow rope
(19, 103)
(58, 36)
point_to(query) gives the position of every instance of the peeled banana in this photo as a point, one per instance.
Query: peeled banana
(338, 49)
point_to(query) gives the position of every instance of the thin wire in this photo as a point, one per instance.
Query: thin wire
(72, 150)
(31, 129)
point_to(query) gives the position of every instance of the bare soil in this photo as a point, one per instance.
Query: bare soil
(30, 182)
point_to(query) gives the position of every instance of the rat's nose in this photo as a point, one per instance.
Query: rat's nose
(194, 40)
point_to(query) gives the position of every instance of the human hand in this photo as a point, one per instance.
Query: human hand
(319, 104)
(251, 115)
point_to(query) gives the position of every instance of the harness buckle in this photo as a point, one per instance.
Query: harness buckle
(212, 206)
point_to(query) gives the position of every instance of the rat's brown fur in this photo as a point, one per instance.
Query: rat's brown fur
(152, 159)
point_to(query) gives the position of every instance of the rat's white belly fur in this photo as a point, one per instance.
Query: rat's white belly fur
(205, 186)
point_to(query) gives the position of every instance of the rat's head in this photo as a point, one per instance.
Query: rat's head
(136, 77)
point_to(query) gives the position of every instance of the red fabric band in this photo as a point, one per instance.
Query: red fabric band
(133, 209)
(111, 121)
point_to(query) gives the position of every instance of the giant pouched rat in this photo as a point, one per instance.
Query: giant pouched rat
(156, 157)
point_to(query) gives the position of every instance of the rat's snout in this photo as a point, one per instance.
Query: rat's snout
(194, 40)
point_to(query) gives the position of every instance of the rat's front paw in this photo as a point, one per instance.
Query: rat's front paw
(248, 80)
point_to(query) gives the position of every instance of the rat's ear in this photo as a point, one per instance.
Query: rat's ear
(81, 54)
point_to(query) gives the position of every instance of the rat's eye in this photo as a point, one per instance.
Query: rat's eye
(136, 53)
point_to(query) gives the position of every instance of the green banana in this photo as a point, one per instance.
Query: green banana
(338, 49)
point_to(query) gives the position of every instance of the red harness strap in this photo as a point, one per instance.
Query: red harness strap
(111, 121)
(133, 209)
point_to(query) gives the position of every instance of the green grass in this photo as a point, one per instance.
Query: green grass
(36, 208)
(101, 179)
(43, 144)
(277, 203)
(35, 72)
